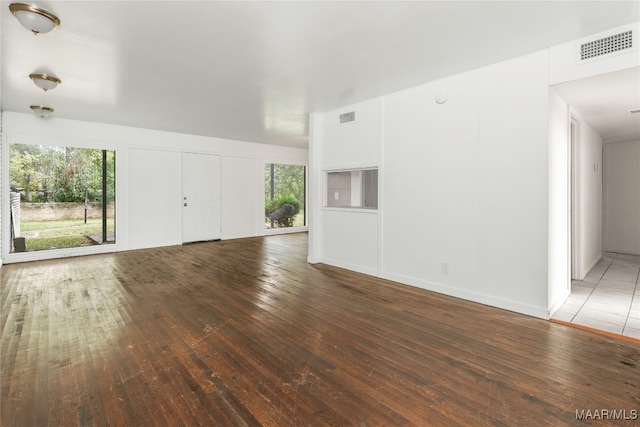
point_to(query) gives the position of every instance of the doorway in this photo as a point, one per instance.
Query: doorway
(603, 277)
(61, 197)
(200, 197)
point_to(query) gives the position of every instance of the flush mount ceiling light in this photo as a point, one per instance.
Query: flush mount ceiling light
(45, 81)
(42, 111)
(34, 18)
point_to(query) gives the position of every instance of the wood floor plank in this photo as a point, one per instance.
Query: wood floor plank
(247, 333)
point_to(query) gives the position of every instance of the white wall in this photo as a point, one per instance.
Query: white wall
(622, 197)
(344, 237)
(463, 183)
(155, 198)
(590, 170)
(351, 240)
(353, 144)
(589, 198)
(242, 195)
(559, 194)
(315, 187)
(431, 167)
(472, 177)
(148, 170)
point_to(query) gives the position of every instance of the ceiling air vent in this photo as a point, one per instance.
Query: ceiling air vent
(347, 117)
(606, 45)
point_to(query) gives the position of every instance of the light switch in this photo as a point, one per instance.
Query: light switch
(336, 195)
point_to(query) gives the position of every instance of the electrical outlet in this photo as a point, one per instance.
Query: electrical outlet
(445, 268)
(336, 195)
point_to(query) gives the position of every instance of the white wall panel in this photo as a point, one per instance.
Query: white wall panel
(349, 237)
(315, 187)
(430, 165)
(351, 240)
(622, 197)
(559, 221)
(241, 197)
(590, 196)
(466, 185)
(155, 198)
(513, 180)
(353, 144)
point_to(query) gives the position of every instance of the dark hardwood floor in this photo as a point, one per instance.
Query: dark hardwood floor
(246, 333)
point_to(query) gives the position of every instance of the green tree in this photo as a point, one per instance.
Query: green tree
(61, 174)
(24, 167)
(284, 193)
(288, 180)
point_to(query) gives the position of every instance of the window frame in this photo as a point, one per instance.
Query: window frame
(304, 206)
(8, 256)
(342, 189)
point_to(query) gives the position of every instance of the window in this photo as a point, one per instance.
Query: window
(353, 189)
(284, 195)
(61, 197)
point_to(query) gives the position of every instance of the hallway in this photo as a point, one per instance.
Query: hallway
(608, 298)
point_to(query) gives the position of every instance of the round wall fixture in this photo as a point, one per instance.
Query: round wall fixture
(34, 18)
(42, 111)
(442, 97)
(45, 81)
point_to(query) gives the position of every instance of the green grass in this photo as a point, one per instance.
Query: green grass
(58, 242)
(60, 234)
(49, 225)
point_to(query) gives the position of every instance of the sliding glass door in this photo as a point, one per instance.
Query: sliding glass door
(61, 197)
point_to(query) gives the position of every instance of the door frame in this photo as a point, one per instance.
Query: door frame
(575, 214)
(215, 232)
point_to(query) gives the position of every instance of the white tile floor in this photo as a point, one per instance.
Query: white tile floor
(608, 298)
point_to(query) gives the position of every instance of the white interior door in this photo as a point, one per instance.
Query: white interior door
(200, 197)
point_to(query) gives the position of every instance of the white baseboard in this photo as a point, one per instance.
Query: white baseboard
(347, 266)
(591, 265)
(501, 303)
(561, 299)
(505, 304)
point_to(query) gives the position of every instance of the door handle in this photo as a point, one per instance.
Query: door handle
(185, 204)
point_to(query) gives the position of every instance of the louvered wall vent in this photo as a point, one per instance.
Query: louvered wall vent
(606, 45)
(348, 117)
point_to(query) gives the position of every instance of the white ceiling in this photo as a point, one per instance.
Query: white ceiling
(604, 102)
(254, 70)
